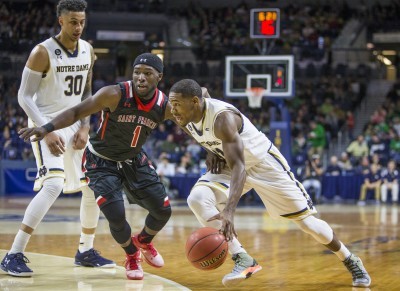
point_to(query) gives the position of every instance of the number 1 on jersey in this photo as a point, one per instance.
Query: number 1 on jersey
(136, 134)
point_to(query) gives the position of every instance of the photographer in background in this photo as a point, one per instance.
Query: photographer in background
(312, 175)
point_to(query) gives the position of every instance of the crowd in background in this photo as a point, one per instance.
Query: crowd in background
(322, 107)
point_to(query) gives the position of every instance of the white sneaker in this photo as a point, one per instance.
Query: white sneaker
(245, 267)
(360, 276)
(133, 266)
(151, 255)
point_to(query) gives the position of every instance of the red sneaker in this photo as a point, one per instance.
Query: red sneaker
(151, 255)
(133, 267)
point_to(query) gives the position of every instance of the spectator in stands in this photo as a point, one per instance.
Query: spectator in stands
(313, 172)
(363, 167)
(376, 160)
(317, 139)
(390, 177)
(333, 168)
(357, 149)
(169, 146)
(344, 162)
(372, 181)
(378, 146)
(350, 123)
(185, 164)
(164, 167)
(394, 145)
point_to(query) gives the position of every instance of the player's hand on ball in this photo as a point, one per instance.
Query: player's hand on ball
(227, 228)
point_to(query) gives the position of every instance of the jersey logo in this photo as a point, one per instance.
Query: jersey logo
(58, 53)
(207, 129)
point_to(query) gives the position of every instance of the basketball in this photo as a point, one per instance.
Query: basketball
(206, 248)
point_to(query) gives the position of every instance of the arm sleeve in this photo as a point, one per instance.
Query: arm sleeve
(29, 85)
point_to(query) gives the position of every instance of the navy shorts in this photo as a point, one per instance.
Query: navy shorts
(136, 177)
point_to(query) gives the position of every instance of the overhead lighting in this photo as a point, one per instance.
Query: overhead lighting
(389, 53)
(101, 50)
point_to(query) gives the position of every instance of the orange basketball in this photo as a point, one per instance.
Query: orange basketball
(206, 248)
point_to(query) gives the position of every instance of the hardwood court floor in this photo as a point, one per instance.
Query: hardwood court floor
(291, 260)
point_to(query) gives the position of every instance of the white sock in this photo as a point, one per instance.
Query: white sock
(85, 242)
(343, 253)
(235, 247)
(20, 242)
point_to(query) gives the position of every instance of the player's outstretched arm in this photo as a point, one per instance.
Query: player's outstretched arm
(106, 97)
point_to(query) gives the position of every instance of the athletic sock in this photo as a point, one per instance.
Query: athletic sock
(144, 237)
(20, 242)
(85, 242)
(343, 253)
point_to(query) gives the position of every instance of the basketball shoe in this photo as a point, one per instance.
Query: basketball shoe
(151, 255)
(133, 266)
(355, 266)
(15, 265)
(245, 266)
(92, 258)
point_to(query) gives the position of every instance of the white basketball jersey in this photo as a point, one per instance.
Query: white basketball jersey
(256, 144)
(63, 85)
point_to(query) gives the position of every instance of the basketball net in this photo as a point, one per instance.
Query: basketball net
(255, 95)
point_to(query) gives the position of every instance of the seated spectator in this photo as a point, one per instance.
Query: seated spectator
(372, 181)
(376, 160)
(164, 167)
(390, 177)
(357, 149)
(313, 172)
(363, 167)
(333, 168)
(185, 165)
(378, 146)
(344, 162)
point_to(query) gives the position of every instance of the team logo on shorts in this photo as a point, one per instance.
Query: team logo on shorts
(42, 171)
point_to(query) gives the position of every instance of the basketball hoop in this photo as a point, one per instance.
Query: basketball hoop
(255, 95)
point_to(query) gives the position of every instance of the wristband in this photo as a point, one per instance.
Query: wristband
(49, 127)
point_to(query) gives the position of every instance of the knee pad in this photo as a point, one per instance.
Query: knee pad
(318, 228)
(202, 202)
(42, 202)
(115, 214)
(158, 218)
(90, 211)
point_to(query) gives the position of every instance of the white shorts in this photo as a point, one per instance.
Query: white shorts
(281, 193)
(67, 166)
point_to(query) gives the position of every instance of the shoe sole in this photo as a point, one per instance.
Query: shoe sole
(233, 281)
(79, 264)
(5, 271)
(149, 262)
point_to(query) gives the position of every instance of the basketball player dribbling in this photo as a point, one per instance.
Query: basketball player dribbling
(253, 163)
(57, 76)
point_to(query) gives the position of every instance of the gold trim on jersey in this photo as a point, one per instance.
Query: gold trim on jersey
(217, 185)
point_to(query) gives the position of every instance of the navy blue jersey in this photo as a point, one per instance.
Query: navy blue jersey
(123, 132)
(390, 176)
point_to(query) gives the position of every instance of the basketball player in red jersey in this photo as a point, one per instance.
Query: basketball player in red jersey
(115, 161)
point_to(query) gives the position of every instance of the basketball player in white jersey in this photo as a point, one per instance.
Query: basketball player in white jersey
(253, 163)
(57, 76)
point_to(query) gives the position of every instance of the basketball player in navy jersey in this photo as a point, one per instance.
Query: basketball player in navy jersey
(253, 163)
(115, 161)
(57, 76)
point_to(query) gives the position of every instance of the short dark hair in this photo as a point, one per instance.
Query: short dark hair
(71, 5)
(187, 87)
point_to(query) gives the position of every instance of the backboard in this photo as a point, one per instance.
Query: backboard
(273, 73)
